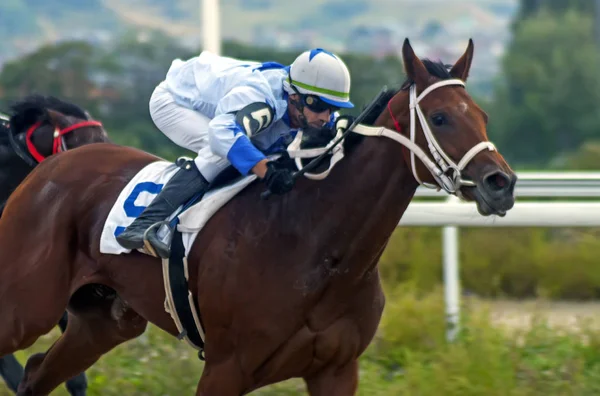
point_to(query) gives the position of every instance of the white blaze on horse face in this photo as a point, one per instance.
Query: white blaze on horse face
(463, 107)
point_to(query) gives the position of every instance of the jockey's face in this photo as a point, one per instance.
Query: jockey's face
(313, 118)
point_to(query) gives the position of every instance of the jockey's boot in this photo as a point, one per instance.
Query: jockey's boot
(182, 187)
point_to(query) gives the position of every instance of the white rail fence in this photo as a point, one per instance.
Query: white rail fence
(453, 213)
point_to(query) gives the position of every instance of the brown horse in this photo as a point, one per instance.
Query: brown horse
(286, 287)
(37, 127)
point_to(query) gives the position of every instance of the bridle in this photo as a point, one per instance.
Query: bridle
(32, 156)
(443, 164)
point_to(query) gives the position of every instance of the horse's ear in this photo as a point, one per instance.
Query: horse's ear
(56, 118)
(462, 66)
(415, 69)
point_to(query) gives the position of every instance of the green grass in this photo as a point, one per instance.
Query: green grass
(409, 357)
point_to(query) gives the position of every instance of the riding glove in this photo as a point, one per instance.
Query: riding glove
(278, 179)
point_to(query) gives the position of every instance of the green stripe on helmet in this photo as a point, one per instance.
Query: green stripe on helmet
(339, 94)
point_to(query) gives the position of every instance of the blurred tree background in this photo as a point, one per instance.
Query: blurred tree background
(544, 106)
(114, 84)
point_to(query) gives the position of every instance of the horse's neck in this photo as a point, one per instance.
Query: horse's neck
(380, 186)
(349, 217)
(388, 186)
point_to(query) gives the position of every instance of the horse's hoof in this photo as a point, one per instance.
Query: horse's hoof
(77, 386)
(77, 392)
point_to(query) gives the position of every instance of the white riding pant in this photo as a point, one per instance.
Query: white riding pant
(186, 128)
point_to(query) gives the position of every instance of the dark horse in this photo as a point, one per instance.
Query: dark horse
(26, 139)
(286, 287)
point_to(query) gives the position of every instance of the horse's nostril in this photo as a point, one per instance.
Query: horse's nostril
(498, 182)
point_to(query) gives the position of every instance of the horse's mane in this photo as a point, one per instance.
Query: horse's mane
(435, 68)
(33, 108)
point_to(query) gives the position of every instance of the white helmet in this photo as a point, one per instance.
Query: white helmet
(321, 73)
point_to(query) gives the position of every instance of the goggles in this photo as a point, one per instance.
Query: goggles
(317, 105)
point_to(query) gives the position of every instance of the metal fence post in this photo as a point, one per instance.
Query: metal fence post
(450, 246)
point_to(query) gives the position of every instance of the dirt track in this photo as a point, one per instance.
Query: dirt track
(568, 316)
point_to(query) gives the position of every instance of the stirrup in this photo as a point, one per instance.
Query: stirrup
(153, 228)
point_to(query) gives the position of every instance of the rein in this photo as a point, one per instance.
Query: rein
(323, 152)
(439, 169)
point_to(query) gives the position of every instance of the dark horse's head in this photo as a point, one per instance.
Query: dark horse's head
(37, 127)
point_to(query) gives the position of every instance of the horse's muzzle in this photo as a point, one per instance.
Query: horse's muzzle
(495, 194)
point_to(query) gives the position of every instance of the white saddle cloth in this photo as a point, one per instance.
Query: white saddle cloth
(140, 192)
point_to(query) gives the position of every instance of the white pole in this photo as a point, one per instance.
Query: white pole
(211, 29)
(451, 288)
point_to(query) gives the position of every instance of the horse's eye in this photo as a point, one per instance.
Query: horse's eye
(439, 119)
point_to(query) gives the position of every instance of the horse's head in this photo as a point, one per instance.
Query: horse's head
(44, 125)
(434, 109)
(40, 126)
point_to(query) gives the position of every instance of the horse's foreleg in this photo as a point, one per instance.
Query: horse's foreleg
(223, 378)
(11, 371)
(76, 386)
(334, 381)
(88, 336)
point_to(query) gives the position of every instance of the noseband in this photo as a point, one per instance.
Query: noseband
(58, 141)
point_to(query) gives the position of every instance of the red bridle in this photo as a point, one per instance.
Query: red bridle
(58, 141)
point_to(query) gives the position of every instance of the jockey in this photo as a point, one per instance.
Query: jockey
(236, 112)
